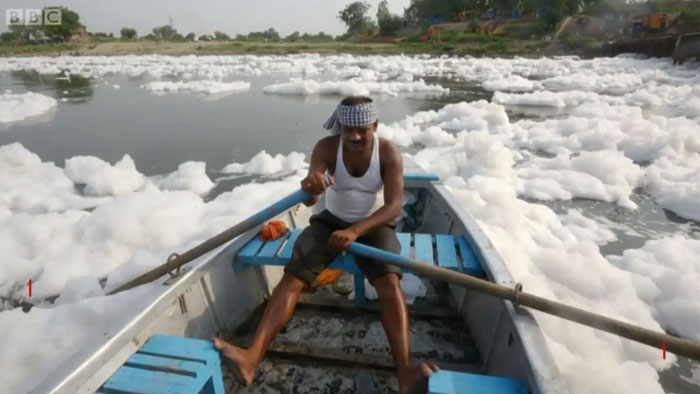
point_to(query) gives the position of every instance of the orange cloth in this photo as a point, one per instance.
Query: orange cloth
(327, 276)
(273, 230)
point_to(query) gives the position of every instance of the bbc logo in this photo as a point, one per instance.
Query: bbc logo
(33, 16)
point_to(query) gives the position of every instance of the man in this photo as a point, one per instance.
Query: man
(363, 198)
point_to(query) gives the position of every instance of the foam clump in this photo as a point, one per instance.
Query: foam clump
(189, 176)
(264, 164)
(604, 175)
(412, 286)
(28, 185)
(513, 83)
(207, 87)
(102, 179)
(80, 288)
(15, 107)
(351, 87)
(666, 273)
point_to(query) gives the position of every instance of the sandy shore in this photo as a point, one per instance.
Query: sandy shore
(119, 48)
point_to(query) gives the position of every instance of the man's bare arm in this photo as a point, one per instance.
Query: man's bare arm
(315, 183)
(393, 193)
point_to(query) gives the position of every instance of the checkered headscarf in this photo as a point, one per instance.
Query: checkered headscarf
(351, 115)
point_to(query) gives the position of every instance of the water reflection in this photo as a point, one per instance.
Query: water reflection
(75, 89)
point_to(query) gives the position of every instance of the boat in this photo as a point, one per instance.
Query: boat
(210, 298)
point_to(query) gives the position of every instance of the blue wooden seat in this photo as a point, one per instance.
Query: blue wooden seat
(445, 250)
(450, 382)
(169, 364)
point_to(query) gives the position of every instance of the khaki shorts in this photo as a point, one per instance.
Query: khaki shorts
(311, 254)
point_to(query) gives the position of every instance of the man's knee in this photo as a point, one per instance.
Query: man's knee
(387, 283)
(291, 283)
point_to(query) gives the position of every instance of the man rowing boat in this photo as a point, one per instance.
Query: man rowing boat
(362, 176)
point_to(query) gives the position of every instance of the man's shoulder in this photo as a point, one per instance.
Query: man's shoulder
(387, 148)
(326, 147)
(325, 142)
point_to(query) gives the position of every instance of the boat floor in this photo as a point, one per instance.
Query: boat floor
(331, 346)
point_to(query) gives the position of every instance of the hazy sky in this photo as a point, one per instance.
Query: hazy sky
(206, 16)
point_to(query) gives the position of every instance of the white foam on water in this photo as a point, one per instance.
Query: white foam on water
(351, 87)
(605, 175)
(190, 176)
(103, 179)
(514, 83)
(557, 256)
(264, 164)
(666, 273)
(604, 146)
(16, 107)
(66, 252)
(28, 185)
(207, 87)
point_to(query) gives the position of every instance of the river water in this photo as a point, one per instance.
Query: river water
(110, 115)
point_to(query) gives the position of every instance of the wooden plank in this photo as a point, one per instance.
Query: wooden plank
(334, 356)
(420, 177)
(424, 247)
(405, 241)
(271, 247)
(164, 364)
(450, 382)
(251, 248)
(286, 252)
(470, 263)
(137, 381)
(178, 347)
(447, 254)
(341, 305)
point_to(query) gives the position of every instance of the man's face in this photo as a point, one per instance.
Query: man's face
(357, 138)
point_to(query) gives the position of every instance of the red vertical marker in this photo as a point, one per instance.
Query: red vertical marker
(30, 288)
(663, 345)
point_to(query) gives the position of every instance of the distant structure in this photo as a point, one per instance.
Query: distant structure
(79, 36)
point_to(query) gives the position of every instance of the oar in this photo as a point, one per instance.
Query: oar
(680, 346)
(178, 260)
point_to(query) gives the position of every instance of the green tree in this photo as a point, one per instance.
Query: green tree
(128, 33)
(204, 37)
(388, 23)
(383, 11)
(7, 37)
(353, 15)
(70, 21)
(221, 36)
(165, 32)
(294, 37)
(271, 34)
(190, 37)
(22, 33)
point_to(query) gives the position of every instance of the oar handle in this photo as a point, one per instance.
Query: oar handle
(677, 345)
(177, 261)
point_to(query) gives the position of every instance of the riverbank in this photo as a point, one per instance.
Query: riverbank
(488, 46)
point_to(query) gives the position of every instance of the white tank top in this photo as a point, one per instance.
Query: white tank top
(355, 198)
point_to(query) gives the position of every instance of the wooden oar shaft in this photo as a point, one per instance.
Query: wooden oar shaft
(680, 346)
(216, 241)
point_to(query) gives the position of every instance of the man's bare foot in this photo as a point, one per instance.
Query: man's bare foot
(414, 379)
(244, 364)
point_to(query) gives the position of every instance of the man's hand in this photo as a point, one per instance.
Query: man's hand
(316, 183)
(340, 239)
